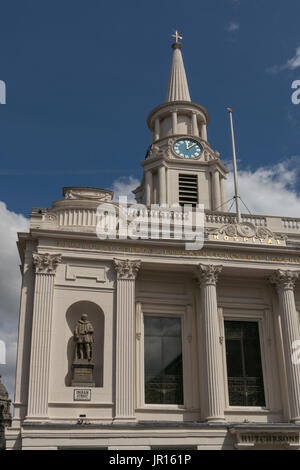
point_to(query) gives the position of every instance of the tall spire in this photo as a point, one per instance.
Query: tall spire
(178, 89)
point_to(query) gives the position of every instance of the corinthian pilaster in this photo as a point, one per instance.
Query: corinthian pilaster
(211, 348)
(45, 267)
(285, 283)
(126, 269)
(45, 263)
(125, 341)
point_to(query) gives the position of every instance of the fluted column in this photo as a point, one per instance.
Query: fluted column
(211, 347)
(125, 339)
(45, 267)
(285, 282)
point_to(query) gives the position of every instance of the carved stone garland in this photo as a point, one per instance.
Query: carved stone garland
(244, 229)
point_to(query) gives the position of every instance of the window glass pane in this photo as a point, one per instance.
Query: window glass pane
(163, 360)
(234, 358)
(153, 354)
(244, 368)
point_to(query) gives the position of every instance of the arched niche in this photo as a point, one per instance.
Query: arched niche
(96, 317)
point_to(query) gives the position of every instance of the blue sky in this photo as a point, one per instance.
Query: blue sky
(82, 76)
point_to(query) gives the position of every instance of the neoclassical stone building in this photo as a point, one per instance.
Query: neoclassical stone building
(192, 348)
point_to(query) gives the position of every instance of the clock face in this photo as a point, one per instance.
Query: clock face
(187, 148)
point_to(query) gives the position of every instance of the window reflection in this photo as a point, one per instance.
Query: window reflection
(163, 360)
(244, 369)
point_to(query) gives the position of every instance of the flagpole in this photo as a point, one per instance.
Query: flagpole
(236, 188)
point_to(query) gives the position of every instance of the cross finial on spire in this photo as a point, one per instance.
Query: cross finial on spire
(176, 36)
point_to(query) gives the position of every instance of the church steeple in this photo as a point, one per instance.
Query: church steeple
(180, 165)
(178, 89)
(178, 115)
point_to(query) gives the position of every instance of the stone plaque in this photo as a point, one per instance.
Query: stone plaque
(83, 374)
(81, 394)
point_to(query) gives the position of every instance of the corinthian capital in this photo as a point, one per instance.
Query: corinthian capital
(45, 263)
(209, 273)
(126, 268)
(284, 279)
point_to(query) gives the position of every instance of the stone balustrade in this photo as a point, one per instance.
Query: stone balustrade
(289, 223)
(86, 218)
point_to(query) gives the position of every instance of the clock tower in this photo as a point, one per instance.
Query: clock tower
(180, 165)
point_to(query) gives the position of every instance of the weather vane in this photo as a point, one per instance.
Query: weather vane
(176, 36)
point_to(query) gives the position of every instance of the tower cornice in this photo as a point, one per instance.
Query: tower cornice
(184, 164)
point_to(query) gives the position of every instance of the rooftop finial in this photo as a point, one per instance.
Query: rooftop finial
(176, 36)
(176, 44)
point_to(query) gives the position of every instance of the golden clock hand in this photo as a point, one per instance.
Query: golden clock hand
(191, 146)
(186, 144)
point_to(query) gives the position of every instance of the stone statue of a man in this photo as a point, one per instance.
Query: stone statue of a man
(84, 338)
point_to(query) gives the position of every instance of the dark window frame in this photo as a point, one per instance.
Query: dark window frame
(258, 382)
(174, 316)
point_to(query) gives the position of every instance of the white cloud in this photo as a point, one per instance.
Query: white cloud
(123, 187)
(291, 64)
(233, 26)
(294, 62)
(270, 190)
(10, 284)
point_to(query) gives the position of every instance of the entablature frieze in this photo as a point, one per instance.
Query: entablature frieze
(262, 259)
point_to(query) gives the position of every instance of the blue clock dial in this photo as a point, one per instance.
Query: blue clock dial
(187, 148)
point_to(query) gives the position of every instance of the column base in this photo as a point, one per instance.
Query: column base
(124, 420)
(36, 419)
(296, 420)
(217, 419)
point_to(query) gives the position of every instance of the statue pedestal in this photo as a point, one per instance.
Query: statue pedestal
(82, 373)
